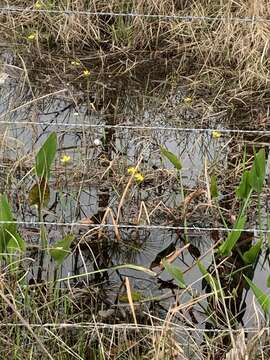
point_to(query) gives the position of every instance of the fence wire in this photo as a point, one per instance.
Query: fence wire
(138, 127)
(175, 17)
(130, 226)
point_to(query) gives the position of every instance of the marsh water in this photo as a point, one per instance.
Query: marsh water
(101, 150)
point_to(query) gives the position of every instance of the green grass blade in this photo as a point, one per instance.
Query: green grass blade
(113, 268)
(213, 187)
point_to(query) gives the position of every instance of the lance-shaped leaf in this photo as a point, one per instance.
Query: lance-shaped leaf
(45, 156)
(262, 298)
(210, 279)
(175, 272)
(8, 231)
(244, 187)
(171, 157)
(226, 247)
(251, 255)
(257, 173)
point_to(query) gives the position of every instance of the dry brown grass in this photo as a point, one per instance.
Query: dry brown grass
(224, 63)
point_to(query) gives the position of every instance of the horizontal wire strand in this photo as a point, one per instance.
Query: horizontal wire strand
(138, 127)
(135, 15)
(130, 226)
(171, 326)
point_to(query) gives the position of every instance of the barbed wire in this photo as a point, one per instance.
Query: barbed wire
(131, 226)
(131, 326)
(138, 127)
(187, 18)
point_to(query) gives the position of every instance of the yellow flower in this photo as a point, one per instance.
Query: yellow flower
(86, 73)
(32, 36)
(216, 134)
(75, 62)
(38, 5)
(132, 170)
(65, 159)
(139, 177)
(188, 101)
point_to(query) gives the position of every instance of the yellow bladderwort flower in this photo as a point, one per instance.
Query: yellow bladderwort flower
(139, 177)
(31, 36)
(38, 5)
(188, 100)
(86, 73)
(65, 159)
(132, 170)
(216, 134)
(75, 63)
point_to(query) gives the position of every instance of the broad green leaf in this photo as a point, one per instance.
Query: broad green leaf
(171, 157)
(262, 298)
(226, 247)
(244, 187)
(210, 279)
(257, 173)
(6, 230)
(45, 156)
(251, 255)
(175, 272)
(61, 249)
(39, 194)
(213, 187)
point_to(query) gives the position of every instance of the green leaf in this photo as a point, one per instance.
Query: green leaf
(175, 272)
(61, 249)
(136, 296)
(210, 279)
(262, 298)
(39, 194)
(171, 157)
(268, 235)
(16, 243)
(257, 173)
(213, 187)
(6, 230)
(268, 281)
(226, 247)
(45, 156)
(251, 255)
(244, 188)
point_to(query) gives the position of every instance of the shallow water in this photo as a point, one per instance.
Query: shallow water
(85, 186)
